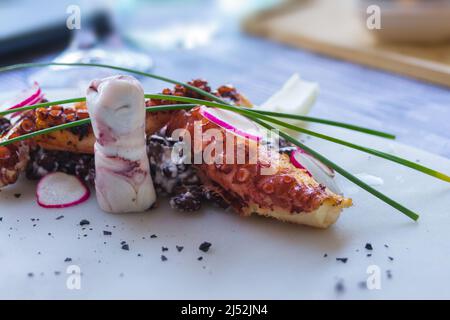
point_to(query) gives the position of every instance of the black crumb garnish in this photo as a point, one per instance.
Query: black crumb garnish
(125, 247)
(139, 255)
(163, 258)
(180, 248)
(59, 218)
(386, 246)
(200, 258)
(30, 274)
(164, 249)
(153, 236)
(343, 260)
(391, 258)
(67, 259)
(57, 273)
(84, 222)
(107, 233)
(1, 218)
(325, 255)
(17, 195)
(368, 246)
(389, 274)
(340, 288)
(369, 255)
(204, 246)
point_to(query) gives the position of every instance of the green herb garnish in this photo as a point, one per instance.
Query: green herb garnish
(77, 123)
(258, 116)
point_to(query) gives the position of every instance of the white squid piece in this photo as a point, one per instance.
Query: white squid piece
(117, 110)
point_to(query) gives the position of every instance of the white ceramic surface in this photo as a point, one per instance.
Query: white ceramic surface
(250, 257)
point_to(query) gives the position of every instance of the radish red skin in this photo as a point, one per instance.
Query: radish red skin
(82, 199)
(208, 115)
(35, 101)
(297, 164)
(31, 99)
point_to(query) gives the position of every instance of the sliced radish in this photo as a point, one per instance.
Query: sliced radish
(26, 97)
(314, 168)
(35, 101)
(232, 121)
(60, 190)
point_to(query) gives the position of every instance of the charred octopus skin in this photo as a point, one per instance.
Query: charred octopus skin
(14, 157)
(122, 173)
(286, 193)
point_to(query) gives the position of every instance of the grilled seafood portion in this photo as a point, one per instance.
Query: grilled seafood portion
(13, 160)
(80, 140)
(284, 192)
(14, 157)
(287, 194)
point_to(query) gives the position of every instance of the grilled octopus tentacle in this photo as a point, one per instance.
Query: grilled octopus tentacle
(287, 193)
(14, 158)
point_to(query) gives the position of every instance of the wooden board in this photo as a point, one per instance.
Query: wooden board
(334, 28)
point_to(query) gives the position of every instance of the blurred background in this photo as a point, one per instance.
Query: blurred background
(126, 32)
(118, 32)
(256, 45)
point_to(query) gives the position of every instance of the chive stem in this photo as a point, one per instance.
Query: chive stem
(77, 123)
(250, 112)
(327, 122)
(411, 214)
(41, 105)
(205, 102)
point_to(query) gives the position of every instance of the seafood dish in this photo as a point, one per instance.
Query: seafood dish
(136, 149)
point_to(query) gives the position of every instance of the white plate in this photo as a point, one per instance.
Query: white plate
(250, 257)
